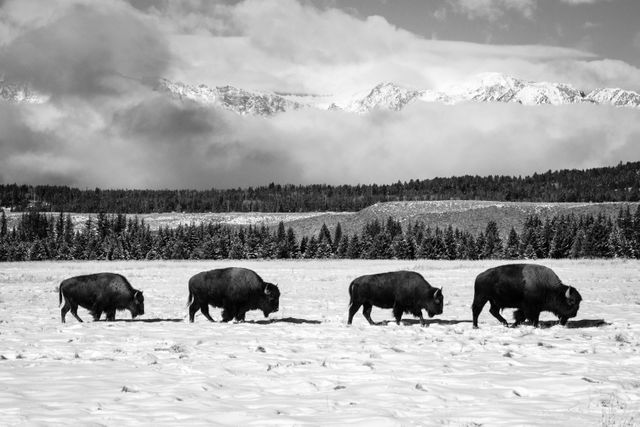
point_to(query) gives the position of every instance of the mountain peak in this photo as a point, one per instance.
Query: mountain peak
(20, 93)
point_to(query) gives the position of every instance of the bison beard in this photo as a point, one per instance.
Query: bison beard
(402, 291)
(99, 293)
(528, 288)
(236, 290)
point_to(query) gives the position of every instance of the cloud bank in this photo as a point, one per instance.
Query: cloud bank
(105, 126)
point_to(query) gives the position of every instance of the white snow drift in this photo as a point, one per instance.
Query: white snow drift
(304, 366)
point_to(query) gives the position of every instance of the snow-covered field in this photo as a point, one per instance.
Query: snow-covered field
(304, 366)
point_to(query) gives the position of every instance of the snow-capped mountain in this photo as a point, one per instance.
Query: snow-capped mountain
(230, 98)
(385, 95)
(497, 87)
(20, 93)
(615, 96)
(486, 87)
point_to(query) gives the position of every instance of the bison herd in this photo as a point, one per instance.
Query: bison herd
(529, 288)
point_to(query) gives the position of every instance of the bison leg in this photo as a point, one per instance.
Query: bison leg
(228, 313)
(240, 316)
(96, 315)
(204, 309)
(397, 313)
(476, 309)
(534, 316)
(366, 312)
(418, 314)
(518, 317)
(353, 309)
(495, 310)
(563, 320)
(111, 315)
(74, 311)
(64, 310)
(193, 307)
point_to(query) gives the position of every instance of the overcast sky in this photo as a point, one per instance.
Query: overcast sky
(105, 126)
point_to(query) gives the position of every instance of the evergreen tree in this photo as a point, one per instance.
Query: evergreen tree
(578, 244)
(337, 237)
(325, 236)
(636, 233)
(37, 251)
(343, 247)
(68, 230)
(493, 243)
(312, 248)
(236, 249)
(304, 242)
(3, 224)
(291, 244)
(354, 250)
(60, 227)
(450, 248)
(512, 250)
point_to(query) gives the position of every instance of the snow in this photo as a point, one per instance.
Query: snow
(304, 365)
(174, 219)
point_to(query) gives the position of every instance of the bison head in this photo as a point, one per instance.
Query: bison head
(435, 303)
(569, 303)
(271, 299)
(137, 305)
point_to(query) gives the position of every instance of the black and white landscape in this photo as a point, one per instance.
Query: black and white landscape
(316, 141)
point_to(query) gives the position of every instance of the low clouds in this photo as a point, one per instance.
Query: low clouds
(105, 126)
(162, 143)
(86, 52)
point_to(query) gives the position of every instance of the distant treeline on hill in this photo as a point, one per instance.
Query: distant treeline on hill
(609, 184)
(39, 236)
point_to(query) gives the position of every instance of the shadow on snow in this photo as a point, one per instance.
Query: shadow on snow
(571, 324)
(427, 322)
(583, 323)
(285, 320)
(153, 320)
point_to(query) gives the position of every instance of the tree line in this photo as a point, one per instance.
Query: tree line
(39, 236)
(607, 184)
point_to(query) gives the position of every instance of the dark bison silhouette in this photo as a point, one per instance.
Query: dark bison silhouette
(100, 293)
(529, 288)
(236, 290)
(403, 291)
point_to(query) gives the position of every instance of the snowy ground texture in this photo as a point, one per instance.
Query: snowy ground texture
(304, 365)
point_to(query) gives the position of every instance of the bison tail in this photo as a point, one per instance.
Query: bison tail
(351, 286)
(190, 300)
(60, 294)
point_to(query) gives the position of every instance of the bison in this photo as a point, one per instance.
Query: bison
(529, 288)
(100, 293)
(403, 291)
(236, 290)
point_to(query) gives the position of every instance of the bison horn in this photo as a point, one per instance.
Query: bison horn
(266, 290)
(568, 293)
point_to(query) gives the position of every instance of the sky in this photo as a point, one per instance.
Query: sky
(105, 126)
